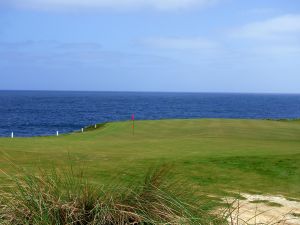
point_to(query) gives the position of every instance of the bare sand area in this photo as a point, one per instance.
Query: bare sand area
(265, 209)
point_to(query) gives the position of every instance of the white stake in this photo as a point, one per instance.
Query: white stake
(12, 134)
(81, 130)
(95, 125)
(56, 133)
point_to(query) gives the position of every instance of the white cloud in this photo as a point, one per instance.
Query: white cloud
(278, 28)
(180, 43)
(163, 5)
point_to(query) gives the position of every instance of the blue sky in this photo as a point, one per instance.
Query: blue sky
(150, 45)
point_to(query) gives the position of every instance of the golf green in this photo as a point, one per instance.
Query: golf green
(215, 155)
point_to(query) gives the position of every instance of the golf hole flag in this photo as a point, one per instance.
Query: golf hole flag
(132, 118)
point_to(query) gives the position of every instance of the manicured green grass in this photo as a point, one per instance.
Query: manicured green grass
(215, 155)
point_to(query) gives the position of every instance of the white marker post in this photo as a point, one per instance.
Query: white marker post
(12, 134)
(95, 126)
(56, 133)
(81, 130)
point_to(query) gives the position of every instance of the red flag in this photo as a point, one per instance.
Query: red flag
(132, 117)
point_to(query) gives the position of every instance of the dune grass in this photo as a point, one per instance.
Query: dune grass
(65, 197)
(219, 156)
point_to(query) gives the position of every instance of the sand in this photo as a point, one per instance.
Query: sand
(246, 212)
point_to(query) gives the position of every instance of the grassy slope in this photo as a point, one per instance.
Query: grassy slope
(218, 155)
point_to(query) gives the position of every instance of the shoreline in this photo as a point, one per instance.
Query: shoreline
(101, 125)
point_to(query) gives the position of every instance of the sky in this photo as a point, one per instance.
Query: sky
(150, 45)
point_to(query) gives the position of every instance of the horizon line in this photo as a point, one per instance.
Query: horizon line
(136, 91)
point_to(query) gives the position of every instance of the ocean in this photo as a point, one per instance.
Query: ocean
(39, 113)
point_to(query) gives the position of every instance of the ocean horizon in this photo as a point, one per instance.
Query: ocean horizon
(42, 113)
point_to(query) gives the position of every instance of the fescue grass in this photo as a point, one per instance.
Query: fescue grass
(66, 197)
(220, 156)
(62, 198)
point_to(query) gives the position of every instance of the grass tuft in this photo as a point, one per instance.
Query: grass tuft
(67, 198)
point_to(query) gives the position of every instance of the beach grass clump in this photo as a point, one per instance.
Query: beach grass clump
(67, 198)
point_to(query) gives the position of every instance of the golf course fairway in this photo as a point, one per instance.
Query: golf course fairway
(218, 156)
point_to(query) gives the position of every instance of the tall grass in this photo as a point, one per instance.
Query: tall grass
(62, 198)
(65, 197)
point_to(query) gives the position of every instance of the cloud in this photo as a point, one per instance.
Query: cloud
(56, 54)
(164, 5)
(278, 28)
(180, 43)
(277, 37)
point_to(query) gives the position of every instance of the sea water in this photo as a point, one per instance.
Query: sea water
(35, 113)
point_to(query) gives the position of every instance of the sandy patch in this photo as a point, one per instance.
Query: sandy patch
(264, 212)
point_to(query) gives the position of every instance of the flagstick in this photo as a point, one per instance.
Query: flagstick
(133, 127)
(132, 118)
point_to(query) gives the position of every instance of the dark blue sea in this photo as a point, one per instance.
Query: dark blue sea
(35, 113)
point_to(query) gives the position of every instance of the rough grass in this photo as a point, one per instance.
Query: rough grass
(67, 198)
(220, 156)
